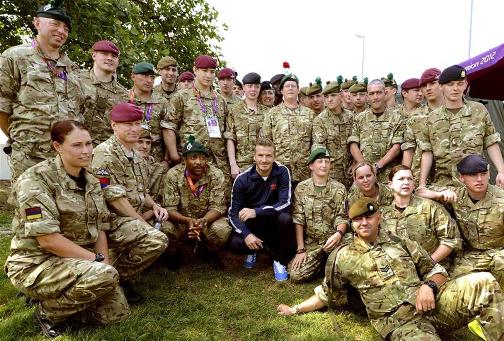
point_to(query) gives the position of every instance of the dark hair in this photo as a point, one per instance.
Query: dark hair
(396, 169)
(62, 128)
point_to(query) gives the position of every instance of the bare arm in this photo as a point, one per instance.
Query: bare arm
(425, 167)
(231, 151)
(495, 155)
(171, 144)
(356, 153)
(311, 304)
(391, 154)
(61, 246)
(407, 158)
(441, 253)
(4, 123)
(101, 246)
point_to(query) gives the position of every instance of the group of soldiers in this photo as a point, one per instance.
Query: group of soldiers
(306, 172)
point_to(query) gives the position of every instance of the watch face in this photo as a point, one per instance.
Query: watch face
(99, 257)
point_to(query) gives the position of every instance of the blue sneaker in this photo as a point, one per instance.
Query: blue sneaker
(250, 261)
(280, 271)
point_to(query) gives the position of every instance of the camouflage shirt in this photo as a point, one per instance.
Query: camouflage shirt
(48, 201)
(423, 221)
(451, 137)
(385, 195)
(121, 173)
(231, 100)
(331, 131)
(155, 110)
(156, 172)
(243, 128)
(415, 123)
(99, 98)
(387, 275)
(209, 195)
(291, 132)
(376, 135)
(319, 212)
(158, 91)
(35, 98)
(187, 118)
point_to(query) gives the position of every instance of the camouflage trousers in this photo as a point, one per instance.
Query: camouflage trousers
(216, 234)
(19, 161)
(313, 265)
(475, 296)
(135, 245)
(69, 287)
(480, 260)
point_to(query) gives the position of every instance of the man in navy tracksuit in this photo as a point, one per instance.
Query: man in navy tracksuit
(260, 210)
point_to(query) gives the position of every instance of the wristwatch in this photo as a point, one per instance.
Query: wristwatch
(99, 257)
(340, 232)
(432, 285)
(296, 309)
(303, 250)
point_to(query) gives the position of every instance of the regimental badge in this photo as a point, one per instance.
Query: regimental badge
(104, 177)
(189, 146)
(462, 74)
(273, 186)
(47, 7)
(33, 213)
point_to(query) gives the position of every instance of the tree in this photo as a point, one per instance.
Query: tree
(144, 30)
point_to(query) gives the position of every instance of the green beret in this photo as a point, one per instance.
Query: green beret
(302, 91)
(193, 147)
(348, 83)
(318, 153)
(331, 88)
(144, 68)
(315, 88)
(363, 207)
(389, 81)
(359, 87)
(289, 77)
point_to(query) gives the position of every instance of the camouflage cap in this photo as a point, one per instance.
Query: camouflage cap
(315, 88)
(363, 207)
(53, 10)
(165, 62)
(452, 73)
(471, 164)
(359, 87)
(389, 81)
(194, 147)
(318, 153)
(144, 68)
(331, 87)
(302, 91)
(348, 83)
(145, 133)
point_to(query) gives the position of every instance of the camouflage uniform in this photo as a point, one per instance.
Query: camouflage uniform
(291, 132)
(137, 243)
(159, 92)
(156, 172)
(331, 131)
(157, 108)
(375, 135)
(425, 222)
(450, 137)
(231, 100)
(186, 118)
(415, 123)
(178, 196)
(48, 201)
(99, 98)
(243, 128)
(385, 195)
(35, 99)
(320, 214)
(482, 227)
(388, 274)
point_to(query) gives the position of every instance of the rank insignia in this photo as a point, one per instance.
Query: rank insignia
(33, 213)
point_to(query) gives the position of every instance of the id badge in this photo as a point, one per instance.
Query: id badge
(213, 127)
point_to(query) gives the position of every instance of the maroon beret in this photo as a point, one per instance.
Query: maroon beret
(186, 76)
(106, 46)
(429, 75)
(226, 73)
(205, 62)
(126, 112)
(410, 84)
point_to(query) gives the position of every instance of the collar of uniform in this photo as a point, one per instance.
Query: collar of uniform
(205, 178)
(412, 207)
(327, 188)
(295, 111)
(486, 202)
(65, 178)
(464, 110)
(95, 81)
(123, 152)
(154, 99)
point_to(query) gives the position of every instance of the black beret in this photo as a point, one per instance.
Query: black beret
(237, 82)
(473, 163)
(277, 78)
(452, 73)
(251, 78)
(53, 10)
(266, 85)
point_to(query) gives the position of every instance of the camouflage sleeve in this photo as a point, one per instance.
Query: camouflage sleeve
(423, 138)
(174, 114)
(341, 214)
(356, 127)
(217, 200)
(446, 227)
(319, 134)
(36, 206)
(9, 84)
(230, 132)
(398, 133)
(491, 135)
(425, 265)
(170, 198)
(266, 130)
(298, 215)
(409, 138)
(110, 173)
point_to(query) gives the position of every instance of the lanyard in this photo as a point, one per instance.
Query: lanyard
(215, 107)
(149, 106)
(196, 192)
(60, 74)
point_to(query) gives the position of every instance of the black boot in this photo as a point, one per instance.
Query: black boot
(131, 295)
(49, 329)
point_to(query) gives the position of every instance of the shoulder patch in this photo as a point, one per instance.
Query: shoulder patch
(33, 213)
(104, 177)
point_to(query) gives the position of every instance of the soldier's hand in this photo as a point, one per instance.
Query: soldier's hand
(298, 260)
(253, 242)
(332, 242)
(246, 213)
(285, 310)
(448, 196)
(425, 300)
(235, 170)
(159, 212)
(499, 180)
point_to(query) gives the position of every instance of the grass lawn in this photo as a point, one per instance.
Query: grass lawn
(198, 303)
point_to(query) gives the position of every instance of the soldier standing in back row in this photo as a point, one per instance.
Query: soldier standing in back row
(168, 70)
(39, 85)
(102, 90)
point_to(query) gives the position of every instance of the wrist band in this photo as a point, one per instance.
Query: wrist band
(303, 250)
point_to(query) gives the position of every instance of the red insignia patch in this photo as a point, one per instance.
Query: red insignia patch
(273, 186)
